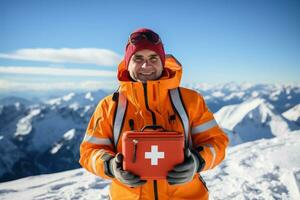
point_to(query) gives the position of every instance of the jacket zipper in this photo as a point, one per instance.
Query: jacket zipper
(147, 106)
(155, 190)
(154, 123)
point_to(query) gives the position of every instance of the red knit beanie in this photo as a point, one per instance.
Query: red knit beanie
(144, 44)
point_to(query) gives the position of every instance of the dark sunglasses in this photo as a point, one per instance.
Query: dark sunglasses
(152, 37)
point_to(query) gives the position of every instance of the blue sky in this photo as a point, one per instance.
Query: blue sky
(47, 45)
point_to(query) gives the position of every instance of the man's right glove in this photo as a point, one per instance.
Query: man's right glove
(184, 172)
(125, 177)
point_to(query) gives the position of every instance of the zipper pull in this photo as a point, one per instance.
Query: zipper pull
(131, 124)
(172, 118)
(134, 149)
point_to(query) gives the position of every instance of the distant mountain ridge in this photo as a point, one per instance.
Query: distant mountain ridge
(281, 96)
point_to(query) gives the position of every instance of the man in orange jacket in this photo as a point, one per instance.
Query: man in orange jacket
(149, 94)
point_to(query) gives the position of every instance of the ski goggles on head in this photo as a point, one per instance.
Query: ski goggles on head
(149, 36)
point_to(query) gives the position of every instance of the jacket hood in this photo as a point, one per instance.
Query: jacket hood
(171, 75)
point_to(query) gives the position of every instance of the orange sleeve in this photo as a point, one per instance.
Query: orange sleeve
(98, 140)
(206, 133)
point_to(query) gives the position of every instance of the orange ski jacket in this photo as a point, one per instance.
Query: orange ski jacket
(147, 104)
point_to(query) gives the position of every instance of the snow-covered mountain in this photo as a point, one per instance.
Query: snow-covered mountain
(10, 155)
(264, 169)
(10, 114)
(252, 120)
(44, 137)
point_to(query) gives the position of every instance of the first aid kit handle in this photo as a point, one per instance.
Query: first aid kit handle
(153, 127)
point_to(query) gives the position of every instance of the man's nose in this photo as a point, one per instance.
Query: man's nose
(145, 64)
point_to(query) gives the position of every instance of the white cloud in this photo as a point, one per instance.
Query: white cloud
(102, 57)
(54, 71)
(6, 85)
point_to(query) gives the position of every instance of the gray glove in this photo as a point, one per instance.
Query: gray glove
(185, 171)
(125, 177)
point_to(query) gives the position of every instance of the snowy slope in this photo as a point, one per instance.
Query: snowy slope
(293, 114)
(73, 184)
(263, 169)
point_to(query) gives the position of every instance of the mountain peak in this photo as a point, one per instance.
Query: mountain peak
(230, 116)
(68, 97)
(89, 96)
(252, 120)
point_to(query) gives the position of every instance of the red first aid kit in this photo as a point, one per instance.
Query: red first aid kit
(151, 154)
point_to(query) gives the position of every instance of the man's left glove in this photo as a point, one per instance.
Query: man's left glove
(125, 177)
(185, 171)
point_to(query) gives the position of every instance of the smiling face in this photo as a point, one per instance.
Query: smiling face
(145, 65)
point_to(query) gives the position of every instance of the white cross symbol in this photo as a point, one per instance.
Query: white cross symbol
(154, 155)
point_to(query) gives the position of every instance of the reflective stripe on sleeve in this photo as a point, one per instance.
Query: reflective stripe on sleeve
(212, 150)
(204, 127)
(94, 159)
(94, 140)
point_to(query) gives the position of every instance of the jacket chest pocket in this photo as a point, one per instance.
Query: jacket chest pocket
(173, 122)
